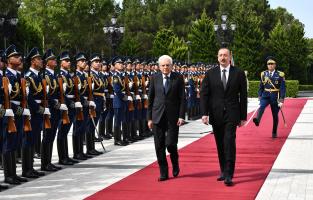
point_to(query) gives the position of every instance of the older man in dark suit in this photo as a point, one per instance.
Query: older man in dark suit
(224, 105)
(166, 113)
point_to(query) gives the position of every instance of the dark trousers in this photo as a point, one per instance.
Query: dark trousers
(165, 137)
(225, 138)
(264, 102)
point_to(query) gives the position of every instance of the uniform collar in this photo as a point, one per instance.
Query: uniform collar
(94, 71)
(64, 71)
(50, 71)
(12, 71)
(34, 71)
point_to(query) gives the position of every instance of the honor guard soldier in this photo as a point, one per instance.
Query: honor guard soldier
(99, 103)
(37, 100)
(12, 139)
(271, 92)
(109, 101)
(119, 101)
(64, 128)
(2, 111)
(81, 125)
(55, 107)
(104, 74)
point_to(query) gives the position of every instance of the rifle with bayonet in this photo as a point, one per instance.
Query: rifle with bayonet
(27, 125)
(79, 111)
(44, 102)
(11, 128)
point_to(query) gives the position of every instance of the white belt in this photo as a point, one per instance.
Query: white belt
(16, 103)
(106, 90)
(140, 90)
(85, 98)
(38, 101)
(70, 96)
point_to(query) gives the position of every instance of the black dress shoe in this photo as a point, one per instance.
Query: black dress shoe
(92, 153)
(11, 180)
(163, 178)
(107, 137)
(120, 143)
(87, 156)
(274, 135)
(221, 178)
(20, 179)
(48, 168)
(29, 174)
(79, 157)
(38, 173)
(228, 181)
(72, 160)
(98, 152)
(256, 121)
(3, 186)
(98, 140)
(65, 162)
(176, 170)
(55, 167)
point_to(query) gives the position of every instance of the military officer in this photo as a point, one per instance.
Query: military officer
(271, 92)
(80, 126)
(119, 101)
(63, 130)
(99, 103)
(55, 107)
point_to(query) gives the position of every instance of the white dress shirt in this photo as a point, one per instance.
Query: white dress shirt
(226, 73)
(164, 79)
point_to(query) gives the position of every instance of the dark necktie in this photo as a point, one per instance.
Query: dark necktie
(166, 85)
(224, 78)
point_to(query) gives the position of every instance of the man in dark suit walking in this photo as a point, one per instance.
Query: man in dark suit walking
(224, 106)
(166, 113)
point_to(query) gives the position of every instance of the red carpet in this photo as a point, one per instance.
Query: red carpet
(256, 153)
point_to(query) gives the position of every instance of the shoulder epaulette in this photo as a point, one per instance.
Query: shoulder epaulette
(282, 74)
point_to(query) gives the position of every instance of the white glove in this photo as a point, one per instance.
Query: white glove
(63, 107)
(130, 85)
(138, 97)
(64, 87)
(10, 88)
(9, 113)
(145, 96)
(26, 112)
(47, 111)
(129, 98)
(79, 86)
(111, 96)
(197, 89)
(92, 104)
(147, 82)
(280, 104)
(27, 91)
(78, 105)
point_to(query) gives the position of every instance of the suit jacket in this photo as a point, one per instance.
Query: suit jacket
(224, 105)
(171, 104)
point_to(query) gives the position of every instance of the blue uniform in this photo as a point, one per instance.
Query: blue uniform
(272, 89)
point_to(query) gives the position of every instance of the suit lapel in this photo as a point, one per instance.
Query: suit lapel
(230, 77)
(171, 82)
(218, 77)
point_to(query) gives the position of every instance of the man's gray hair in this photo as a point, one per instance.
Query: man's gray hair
(165, 57)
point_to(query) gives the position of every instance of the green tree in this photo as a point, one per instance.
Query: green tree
(203, 41)
(248, 42)
(288, 45)
(162, 42)
(178, 49)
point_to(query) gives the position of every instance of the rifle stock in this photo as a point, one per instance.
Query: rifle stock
(11, 128)
(144, 91)
(127, 91)
(79, 112)
(47, 123)
(92, 111)
(65, 117)
(27, 125)
(139, 104)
